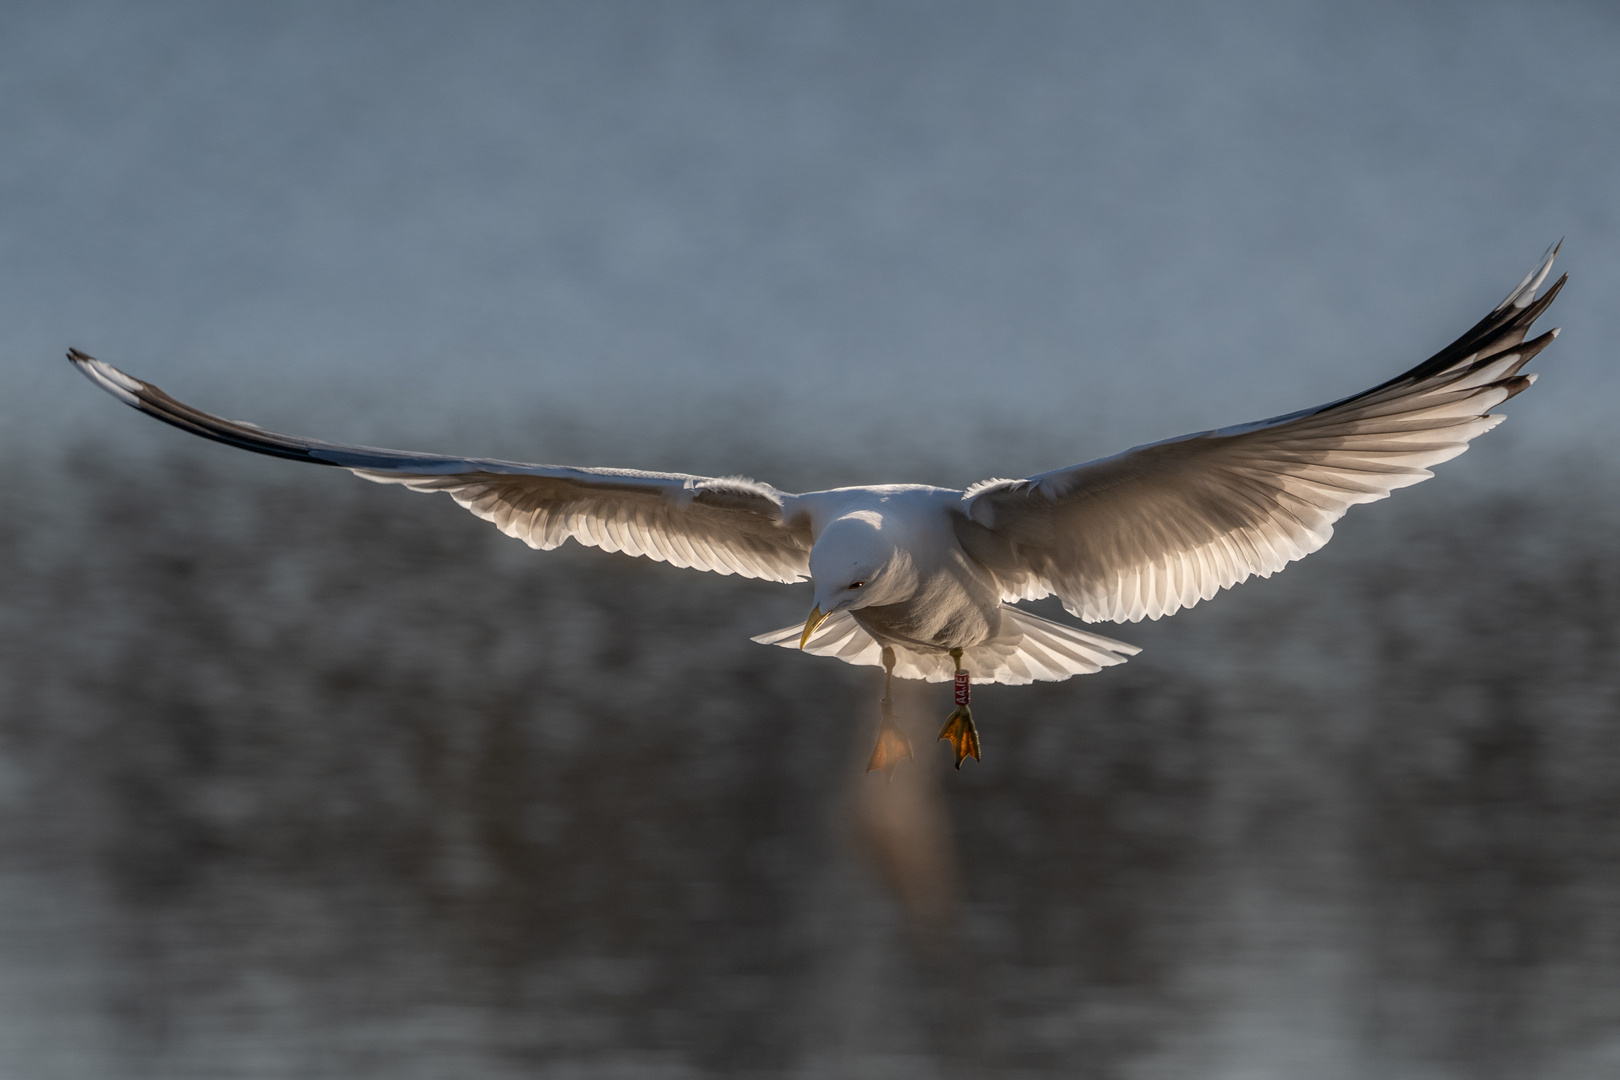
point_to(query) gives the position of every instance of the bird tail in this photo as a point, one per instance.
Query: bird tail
(1028, 649)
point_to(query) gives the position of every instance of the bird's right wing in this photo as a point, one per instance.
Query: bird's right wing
(1160, 527)
(730, 525)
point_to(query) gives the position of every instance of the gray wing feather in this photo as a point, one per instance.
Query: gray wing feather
(730, 525)
(1162, 526)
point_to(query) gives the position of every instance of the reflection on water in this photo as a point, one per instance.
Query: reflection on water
(308, 778)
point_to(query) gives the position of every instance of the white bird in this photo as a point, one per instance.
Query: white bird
(922, 580)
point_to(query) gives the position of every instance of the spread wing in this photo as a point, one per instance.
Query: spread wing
(1162, 526)
(730, 525)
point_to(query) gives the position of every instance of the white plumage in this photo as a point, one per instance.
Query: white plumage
(925, 570)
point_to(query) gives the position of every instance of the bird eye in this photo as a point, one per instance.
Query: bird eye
(856, 584)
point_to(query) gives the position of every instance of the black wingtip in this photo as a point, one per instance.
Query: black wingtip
(77, 356)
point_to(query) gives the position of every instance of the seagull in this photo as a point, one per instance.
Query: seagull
(924, 580)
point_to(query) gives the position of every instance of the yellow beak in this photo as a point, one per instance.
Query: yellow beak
(810, 624)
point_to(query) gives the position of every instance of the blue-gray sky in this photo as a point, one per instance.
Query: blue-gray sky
(710, 235)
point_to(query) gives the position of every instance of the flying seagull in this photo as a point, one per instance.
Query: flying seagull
(923, 580)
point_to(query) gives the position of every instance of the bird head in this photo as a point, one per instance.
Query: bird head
(855, 564)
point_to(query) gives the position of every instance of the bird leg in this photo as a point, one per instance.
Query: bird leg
(892, 744)
(959, 730)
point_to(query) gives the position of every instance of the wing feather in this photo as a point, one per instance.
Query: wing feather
(1160, 527)
(730, 525)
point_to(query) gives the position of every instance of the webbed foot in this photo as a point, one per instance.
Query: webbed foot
(961, 734)
(892, 744)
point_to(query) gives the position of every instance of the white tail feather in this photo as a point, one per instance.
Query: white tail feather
(1028, 649)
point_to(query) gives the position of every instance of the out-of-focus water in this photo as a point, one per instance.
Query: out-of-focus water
(304, 777)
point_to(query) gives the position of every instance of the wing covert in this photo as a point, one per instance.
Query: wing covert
(1162, 526)
(730, 525)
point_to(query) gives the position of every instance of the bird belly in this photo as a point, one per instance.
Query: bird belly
(923, 627)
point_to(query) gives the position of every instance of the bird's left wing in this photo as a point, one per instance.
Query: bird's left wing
(1160, 527)
(730, 525)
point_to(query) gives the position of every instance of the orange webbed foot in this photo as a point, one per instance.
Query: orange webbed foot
(892, 744)
(961, 734)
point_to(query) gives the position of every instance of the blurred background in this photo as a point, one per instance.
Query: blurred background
(302, 777)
